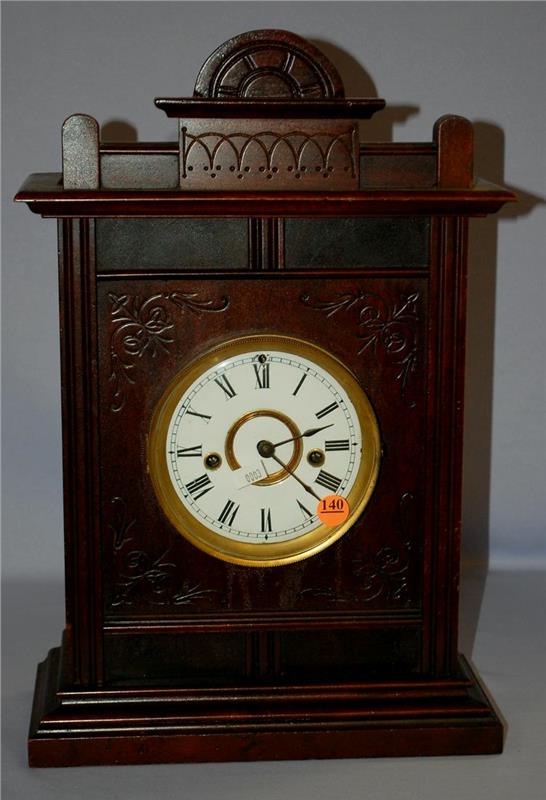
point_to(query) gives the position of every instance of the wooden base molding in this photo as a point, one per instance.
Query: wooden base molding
(416, 717)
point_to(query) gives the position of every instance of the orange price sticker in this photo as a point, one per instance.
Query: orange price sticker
(333, 510)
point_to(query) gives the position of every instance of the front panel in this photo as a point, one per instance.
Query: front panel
(150, 328)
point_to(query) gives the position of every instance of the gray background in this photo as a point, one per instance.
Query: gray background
(482, 60)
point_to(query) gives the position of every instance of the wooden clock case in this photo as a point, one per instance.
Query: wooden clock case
(267, 215)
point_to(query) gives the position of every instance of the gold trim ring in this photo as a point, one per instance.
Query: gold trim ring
(272, 553)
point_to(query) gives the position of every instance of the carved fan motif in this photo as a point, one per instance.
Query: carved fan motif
(268, 63)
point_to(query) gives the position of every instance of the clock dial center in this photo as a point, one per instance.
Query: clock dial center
(253, 426)
(265, 448)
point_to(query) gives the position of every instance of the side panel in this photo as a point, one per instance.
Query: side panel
(83, 637)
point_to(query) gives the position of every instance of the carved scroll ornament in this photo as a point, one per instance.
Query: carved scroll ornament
(145, 325)
(382, 326)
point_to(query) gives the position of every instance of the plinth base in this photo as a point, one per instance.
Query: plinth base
(420, 717)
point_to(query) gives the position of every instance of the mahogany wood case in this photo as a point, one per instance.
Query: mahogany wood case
(266, 216)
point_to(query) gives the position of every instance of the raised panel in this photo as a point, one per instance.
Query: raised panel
(156, 658)
(322, 654)
(159, 244)
(388, 242)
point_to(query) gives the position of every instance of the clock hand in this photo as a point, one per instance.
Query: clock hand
(309, 432)
(299, 480)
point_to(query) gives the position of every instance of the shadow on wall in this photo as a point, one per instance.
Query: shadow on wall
(117, 131)
(480, 339)
(358, 83)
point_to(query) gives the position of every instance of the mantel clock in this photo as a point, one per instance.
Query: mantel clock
(262, 329)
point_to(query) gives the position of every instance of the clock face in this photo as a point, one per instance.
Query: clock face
(250, 442)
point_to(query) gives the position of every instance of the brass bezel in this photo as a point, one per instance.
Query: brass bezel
(268, 554)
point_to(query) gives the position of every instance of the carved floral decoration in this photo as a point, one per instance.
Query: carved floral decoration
(149, 576)
(142, 326)
(390, 327)
(383, 573)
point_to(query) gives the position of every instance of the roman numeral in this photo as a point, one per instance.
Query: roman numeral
(197, 487)
(226, 386)
(326, 410)
(197, 414)
(190, 451)
(266, 520)
(298, 387)
(336, 444)
(262, 375)
(228, 513)
(305, 511)
(328, 481)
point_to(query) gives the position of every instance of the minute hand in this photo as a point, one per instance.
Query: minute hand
(308, 432)
(299, 480)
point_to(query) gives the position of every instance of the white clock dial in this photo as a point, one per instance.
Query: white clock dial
(248, 440)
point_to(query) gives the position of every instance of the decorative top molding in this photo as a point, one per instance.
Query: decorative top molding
(268, 74)
(201, 108)
(269, 115)
(45, 195)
